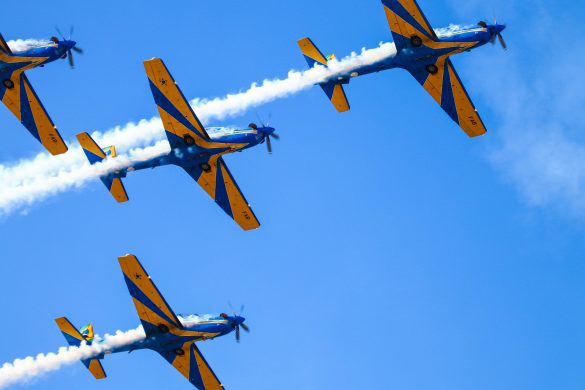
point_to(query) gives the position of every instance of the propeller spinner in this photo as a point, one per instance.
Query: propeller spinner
(239, 322)
(71, 45)
(495, 31)
(268, 134)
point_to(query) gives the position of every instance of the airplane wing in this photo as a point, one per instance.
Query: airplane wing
(24, 103)
(182, 126)
(193, 366)
(219, 183)
(407, 20)
(447, 90)
(155, 313)
(4, 46)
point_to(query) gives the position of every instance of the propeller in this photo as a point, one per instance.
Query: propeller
(267, 135)
(495, 34)
(69, 51)
(237, 326)
(502, 42)
(269, 144)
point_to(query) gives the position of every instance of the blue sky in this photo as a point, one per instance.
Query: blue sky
(394, 253)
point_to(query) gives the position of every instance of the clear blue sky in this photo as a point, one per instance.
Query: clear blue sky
(395, 253)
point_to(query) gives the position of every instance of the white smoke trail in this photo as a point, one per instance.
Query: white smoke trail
(23, 370)
(31, 180)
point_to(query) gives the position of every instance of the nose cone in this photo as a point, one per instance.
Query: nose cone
(498, 28)
(268, 130)
(238, 320)
(69, 44)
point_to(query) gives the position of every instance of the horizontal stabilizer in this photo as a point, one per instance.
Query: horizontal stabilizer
(91, 149)
(95, 367)
(336, 94)
(75, 337)
(70, 332)
(96, 154)
(116, 188)
(333, 90)
(311, 52)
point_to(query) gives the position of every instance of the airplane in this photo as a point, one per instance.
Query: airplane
(196, 149)
(172, 336)
(423, 53)
(19, 96)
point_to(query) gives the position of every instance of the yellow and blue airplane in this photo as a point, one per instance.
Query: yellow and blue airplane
(173, 338)
(18, 95)
(196, 149)
(423, 53)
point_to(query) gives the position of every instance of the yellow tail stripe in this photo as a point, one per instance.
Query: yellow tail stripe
(309, 49)
(118, 191)
(90, 145)
(95, 367)
(339, 99)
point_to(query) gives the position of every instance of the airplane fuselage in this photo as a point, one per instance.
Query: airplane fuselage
(200, 330)
(34, 57)
(464, 40)
(191, 156)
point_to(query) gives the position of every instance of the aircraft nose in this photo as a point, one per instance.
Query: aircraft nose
(499, 28)
(69, 44)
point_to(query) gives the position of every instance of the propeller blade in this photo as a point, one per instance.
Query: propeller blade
(269, 144)
(60, 33)
(502, 42)
(71, 31)
(245, 327)
(275, 136)
(70, 56)
(493, 39)
(241, 309)
(77, 49)
(237, 334)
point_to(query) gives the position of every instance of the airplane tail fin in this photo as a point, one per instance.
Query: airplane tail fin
(333, 90)
(75, 338)
(96, 154)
